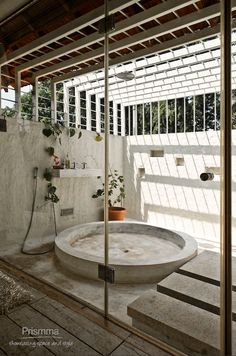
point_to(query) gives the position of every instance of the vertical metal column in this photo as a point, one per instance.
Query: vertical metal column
(0, 90)
(98, 114)
(175, 115)
(184, 114)
(66, 105)
(53, 101)
(204, 112)
(150, 117)
(106, 157)
(77, 107)
(36, 100)
(226, 232)
(18, 95)
(215, 111)
(167, 117)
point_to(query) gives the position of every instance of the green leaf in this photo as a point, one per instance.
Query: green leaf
(47, 132)
(52, 189)
(47, 175)
(50, 150)
(71, 132)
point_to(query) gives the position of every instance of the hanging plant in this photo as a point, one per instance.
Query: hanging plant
(71, 132)
(50, 150)
(57, 162)
(52, 196)
(52, 129)
(47, 175)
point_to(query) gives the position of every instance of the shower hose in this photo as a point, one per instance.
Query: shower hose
(31, 218)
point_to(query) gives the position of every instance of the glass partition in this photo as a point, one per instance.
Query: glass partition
(129, 114)
(166, 251)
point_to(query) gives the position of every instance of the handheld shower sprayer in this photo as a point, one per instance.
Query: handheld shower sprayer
(35, 172)
(23, 248)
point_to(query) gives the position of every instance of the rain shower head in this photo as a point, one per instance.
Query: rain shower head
(125, 76)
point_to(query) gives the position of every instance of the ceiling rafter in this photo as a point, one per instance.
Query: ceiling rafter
(178, 23)
(89, 18)
(135, 20)
(188, 38)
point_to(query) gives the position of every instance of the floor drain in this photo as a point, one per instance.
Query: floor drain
(125, 251)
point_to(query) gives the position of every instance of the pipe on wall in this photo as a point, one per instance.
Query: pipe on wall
(226, 181)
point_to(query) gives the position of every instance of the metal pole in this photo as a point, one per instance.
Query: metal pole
(106, 167)
(18, 95)
(0, 90)
(36, 100)
(53, 101)
(226, 243)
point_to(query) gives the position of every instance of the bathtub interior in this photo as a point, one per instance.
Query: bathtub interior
(135, 261)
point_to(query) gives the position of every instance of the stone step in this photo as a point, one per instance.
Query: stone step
(193, 291)
(206, 267)
(188, 328)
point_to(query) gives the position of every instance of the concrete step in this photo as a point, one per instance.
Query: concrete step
(193, 291)
(206, 267)
(192, 330)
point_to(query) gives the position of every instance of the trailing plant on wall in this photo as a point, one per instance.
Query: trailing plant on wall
(50, 150)
(51, 194)
(56, 129)
(51, 189)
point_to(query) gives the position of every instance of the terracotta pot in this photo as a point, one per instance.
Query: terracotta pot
(116, 213)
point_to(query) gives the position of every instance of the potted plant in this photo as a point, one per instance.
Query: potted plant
(116, 194)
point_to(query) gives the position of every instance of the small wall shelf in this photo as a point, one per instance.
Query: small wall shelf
(179, 161)
(157, 153)
(74, 173)
(141, 172)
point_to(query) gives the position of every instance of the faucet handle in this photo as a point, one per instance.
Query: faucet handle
(84, 165)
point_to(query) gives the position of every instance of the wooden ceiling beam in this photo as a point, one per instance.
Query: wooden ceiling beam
(166, 28)
(188, 38)
(65, 30)
(135, 20)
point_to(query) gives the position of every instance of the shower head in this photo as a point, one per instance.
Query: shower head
(125, 76)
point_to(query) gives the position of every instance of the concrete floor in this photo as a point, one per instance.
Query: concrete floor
(81, 331)
(46, 268)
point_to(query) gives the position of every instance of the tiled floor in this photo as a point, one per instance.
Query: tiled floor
(81, 331)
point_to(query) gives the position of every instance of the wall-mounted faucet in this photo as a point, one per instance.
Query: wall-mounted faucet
(206, 176)
(84, 165)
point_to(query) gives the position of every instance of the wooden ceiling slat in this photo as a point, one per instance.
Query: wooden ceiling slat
(46, 16)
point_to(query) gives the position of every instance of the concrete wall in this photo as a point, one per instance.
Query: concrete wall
(22, 148)
(173, 196)
(169, 196)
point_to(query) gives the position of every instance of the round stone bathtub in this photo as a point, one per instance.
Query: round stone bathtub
(140, 253)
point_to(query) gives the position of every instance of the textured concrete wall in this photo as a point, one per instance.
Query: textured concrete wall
(173, 196)
(22, 148)
(168, 196)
